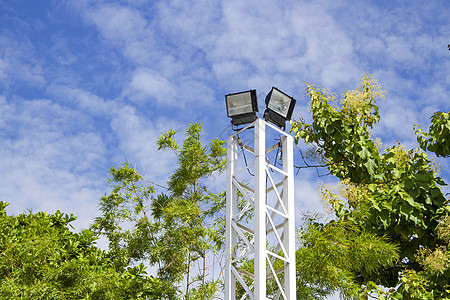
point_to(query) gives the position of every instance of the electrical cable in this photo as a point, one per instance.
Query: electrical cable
(243, 153)
(279, 154)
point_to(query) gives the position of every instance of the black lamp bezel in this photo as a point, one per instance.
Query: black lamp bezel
(274, 117)
(244, 118)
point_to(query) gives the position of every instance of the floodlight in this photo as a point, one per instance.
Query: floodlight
(279, 107)
(242, 107)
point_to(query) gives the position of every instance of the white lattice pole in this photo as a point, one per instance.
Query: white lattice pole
(260, 209)
(272, 225)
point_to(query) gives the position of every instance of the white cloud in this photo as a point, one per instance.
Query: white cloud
(190, 23)
(55, 157)
(46, 162)
(137, 136)
(283, 44)
(61, 52)
(399, 50)
(148, 85)
(306, 195)
(118, 22)
(161, 75)
(18, 63)
(130, 135)
(123, 27)
(81, 99)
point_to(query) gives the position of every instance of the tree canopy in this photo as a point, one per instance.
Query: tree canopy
(395, 194)
(40, 258)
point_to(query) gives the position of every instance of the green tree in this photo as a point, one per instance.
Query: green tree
(331, 256)
(177, 231)
(397, 192)
(40, 258)
(437, 140)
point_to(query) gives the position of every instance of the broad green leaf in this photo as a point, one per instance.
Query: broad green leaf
(371, 166)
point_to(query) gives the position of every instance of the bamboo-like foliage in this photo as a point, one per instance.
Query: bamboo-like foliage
(178, 231)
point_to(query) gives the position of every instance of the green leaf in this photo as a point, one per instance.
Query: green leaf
(364, 153)
(371, 166)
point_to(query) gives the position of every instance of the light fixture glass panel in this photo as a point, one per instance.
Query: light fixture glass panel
(279, 103)
(239, 104)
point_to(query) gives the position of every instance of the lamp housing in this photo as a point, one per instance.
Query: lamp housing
(242, 107)
(280, 107)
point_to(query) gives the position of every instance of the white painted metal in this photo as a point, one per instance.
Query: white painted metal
(260, 209)
(289, 229)
(230, 232)
(267, 238)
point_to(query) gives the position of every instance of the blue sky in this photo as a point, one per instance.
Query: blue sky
(85, 85)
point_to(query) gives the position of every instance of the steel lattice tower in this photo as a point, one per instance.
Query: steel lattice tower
(260, 221)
